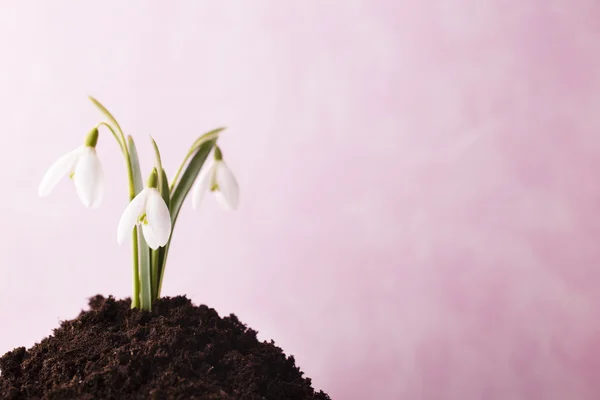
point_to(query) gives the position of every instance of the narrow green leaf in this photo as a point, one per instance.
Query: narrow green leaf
(144, 250)
(214, 134)
(106, 112)
(138, 181)
(164, 189)
(158, 255)
(211, 135)
(181, 190)
(145, 272)
(159, 167)
(163, 183)
(155, 254)
(162, 252)
(154, 270)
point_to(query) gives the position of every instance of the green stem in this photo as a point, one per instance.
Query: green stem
(122, 145)
(154, 280)
(135, 299)
(163, 266)
(145, 276)
(135, 246)
(120, 138)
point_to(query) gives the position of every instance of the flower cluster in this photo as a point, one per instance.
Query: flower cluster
(153, 209)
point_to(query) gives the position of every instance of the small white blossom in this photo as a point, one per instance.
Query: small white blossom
(149, 210)
(84, 168)
(218, 179)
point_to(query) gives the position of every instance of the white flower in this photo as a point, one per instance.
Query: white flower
(84, 168)
(218, 179)
(149, 210)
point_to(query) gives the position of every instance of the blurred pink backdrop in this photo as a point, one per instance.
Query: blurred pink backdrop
(419, 181)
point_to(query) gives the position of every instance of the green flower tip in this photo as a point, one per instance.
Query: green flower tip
(92, 138)
(218, 154)
(153, 178)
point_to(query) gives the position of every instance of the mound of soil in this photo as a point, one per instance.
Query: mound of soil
(177, 351)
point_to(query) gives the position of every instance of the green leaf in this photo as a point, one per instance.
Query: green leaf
(181, 190)
(145, 272)
(164, 189)
(162, 251)
(155, 254)
(163, 182)
(144, 250)
(138, 182)
(159, 167)
(107, 113)
(158, 255)
(214, 134)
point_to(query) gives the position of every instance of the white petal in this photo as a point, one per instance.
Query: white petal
(150, 237)
(57, 171)
(89, 178)
(202, 184)
(131, 214)
(229, 196)
(159, 218)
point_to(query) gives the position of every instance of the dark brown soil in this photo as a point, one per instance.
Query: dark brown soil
(178, 351)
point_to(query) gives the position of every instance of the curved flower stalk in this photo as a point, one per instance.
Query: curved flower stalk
(83, 167)
(153, 210)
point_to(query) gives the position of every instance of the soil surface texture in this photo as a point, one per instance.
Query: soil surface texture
(177, 351)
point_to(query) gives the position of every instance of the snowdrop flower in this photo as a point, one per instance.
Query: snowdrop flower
(149, 210)
(83, 167)
(218, 179)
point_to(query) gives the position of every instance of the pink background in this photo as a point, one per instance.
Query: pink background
(419, 180)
